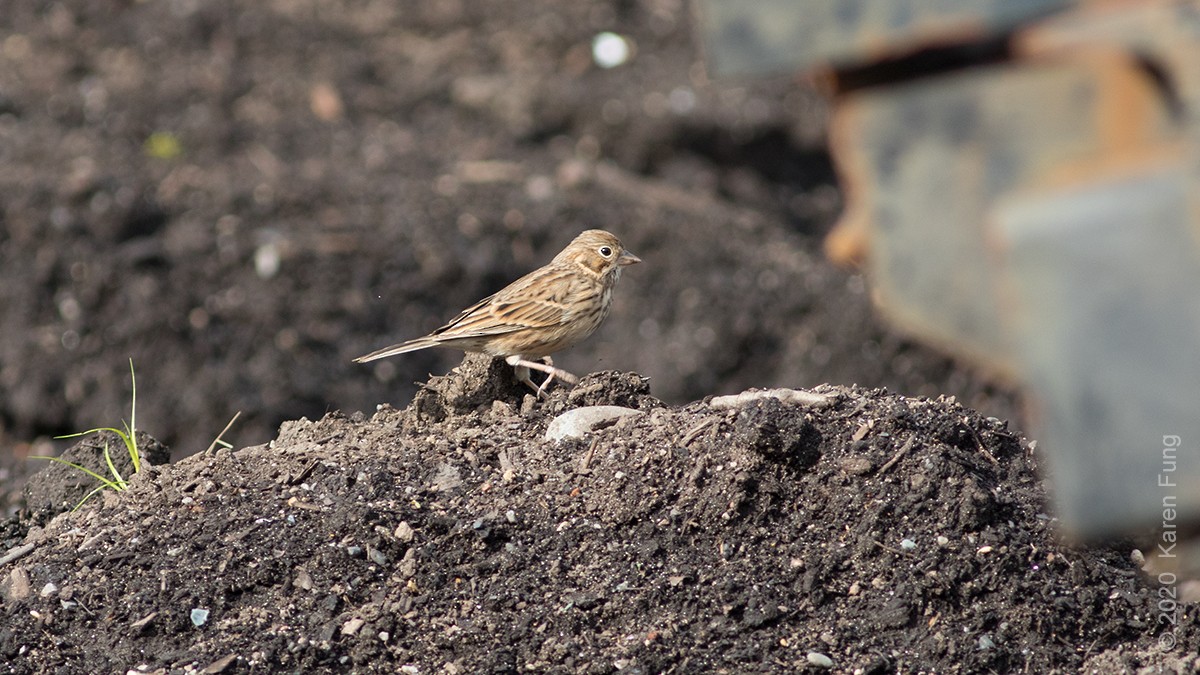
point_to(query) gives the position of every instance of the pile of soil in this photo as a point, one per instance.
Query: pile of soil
(838, 528)
(243, 196)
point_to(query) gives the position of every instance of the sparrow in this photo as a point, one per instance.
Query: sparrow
(547, 310)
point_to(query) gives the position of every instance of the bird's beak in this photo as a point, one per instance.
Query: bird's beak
(626, 258)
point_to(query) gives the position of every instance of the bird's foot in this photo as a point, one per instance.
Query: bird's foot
(523, 367)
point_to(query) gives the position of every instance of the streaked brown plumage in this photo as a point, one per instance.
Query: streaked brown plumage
(549, 309)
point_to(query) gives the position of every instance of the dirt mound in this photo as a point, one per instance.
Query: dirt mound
(243, 196)
(771, 532)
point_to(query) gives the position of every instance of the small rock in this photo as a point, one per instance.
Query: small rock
(352, 626)
(408, 566)
(376, 556)
(48, 590)
(220, 665)
(199, 617)
(856, 466)
(303, 579)
(527, 404)
(908, 544)
(18, 585)
(819, 660)
(404, 532)
(580, 422)
(447, 478)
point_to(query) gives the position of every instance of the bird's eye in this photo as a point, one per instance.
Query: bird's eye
(606, 251)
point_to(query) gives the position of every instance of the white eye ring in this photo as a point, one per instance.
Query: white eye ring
(606, 251)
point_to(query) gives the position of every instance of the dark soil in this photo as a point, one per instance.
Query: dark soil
(243, 196)
(870, 531)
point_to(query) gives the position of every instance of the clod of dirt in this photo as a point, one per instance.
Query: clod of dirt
(475, 383)
(480, 381)
(609, 387)
(767, 428)
(872, 532)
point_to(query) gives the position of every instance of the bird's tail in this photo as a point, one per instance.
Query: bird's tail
(402, 348)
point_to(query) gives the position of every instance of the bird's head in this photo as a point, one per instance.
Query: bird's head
(599, 252)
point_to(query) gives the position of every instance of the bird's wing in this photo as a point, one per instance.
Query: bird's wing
(533, 301)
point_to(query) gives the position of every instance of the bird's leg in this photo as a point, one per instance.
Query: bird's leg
(549, 377)
(523, 366)
(522, 373)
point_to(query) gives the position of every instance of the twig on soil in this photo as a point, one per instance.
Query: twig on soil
(328, 437)
(141, 623)
(217, 441)
(786, 396)
(300, 477)
(697, 430)
(979, 444)
(16, 552)
(591, 452)
(896, 457)
(889, 548)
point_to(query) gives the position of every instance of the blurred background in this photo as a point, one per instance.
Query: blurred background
(243, 196)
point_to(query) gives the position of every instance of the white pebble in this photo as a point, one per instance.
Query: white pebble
(579, 422)
(819, 660)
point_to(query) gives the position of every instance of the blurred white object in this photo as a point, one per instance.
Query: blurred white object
(610, 50)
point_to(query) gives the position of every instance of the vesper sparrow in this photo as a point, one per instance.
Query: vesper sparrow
(549, 309)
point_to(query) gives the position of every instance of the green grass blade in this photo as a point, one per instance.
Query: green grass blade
(129, 437)
(107, 482)
(119, 483)
(131, 440)
(93, 431)
(88, 496)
